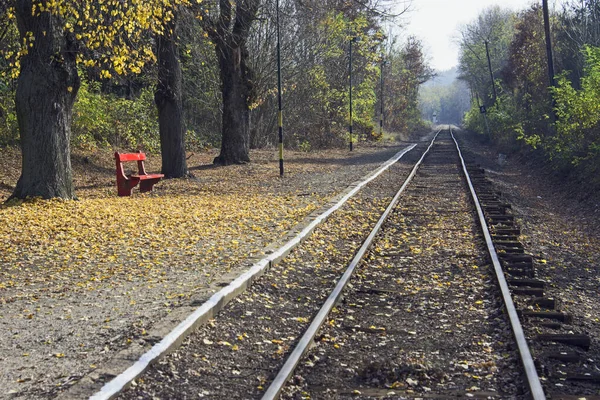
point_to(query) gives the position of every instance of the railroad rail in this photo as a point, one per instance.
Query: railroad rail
(381, 333)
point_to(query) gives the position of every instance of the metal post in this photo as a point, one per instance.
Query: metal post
(487, 52)
(350, 92)
(487, 126)
(383, 62)
(548, 42)
(280, 113)
(549, 54)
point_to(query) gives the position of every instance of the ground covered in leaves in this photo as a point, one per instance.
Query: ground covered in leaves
(80, 280)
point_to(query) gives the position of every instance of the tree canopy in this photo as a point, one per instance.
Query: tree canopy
(558, 122)
(99, 70)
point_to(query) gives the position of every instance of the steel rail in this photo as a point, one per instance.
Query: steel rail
(535, 386)
(301, 348)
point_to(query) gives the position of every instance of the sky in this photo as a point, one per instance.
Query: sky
(436, 23)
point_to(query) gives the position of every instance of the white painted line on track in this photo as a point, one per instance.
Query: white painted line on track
(117, 384)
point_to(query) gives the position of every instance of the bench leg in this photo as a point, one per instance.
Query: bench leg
(124, 189)
(147, 185)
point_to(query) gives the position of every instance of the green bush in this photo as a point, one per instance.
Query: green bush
(106, 120)
(577, 139)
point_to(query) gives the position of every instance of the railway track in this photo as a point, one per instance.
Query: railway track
(424, 309)
(423, 317)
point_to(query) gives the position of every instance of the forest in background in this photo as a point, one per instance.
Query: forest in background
(116, 107)
(558, 118)
(445, 97)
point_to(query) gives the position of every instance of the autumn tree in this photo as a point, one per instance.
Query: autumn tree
(408, 70)
(53, 37)
(526, 73)
(494, 26)
(578, 26)
(315, 38)
(228, 25)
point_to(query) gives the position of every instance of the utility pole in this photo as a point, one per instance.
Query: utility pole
(549, 54)
(548, 42)
(280, 112)
(350, 92)
(487, 52)
(383, 62)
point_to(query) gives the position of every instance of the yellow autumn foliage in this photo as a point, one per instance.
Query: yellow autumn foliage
(115, 31)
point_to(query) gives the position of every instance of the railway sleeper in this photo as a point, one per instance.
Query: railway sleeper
(512, 258)
(509, 243)
(527, 291)
(506, 230)
(494, 210)
(483, 184)
(509, 250)
(499, 217)
(496, 238)
(555, 315)
(563, 356)
(475, 168)
(485, 196)
(584, 377)
(551, 325)
(502, 224)
(545, 302)
(496, 203)
(517, 264)
(517, 272)
(486, 193)
(578, 340)
(534, 283)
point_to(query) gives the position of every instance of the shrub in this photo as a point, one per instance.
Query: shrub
(106, 120)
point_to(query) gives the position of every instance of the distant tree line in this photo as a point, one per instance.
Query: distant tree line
(558, 118)
(167, 76)
(446, 98)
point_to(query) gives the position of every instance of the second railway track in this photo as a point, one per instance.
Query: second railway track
(422, 315)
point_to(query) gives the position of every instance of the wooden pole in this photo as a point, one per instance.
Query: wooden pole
(280, 112)
(487, 52)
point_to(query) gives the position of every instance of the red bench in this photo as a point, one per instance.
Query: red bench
(126, 183)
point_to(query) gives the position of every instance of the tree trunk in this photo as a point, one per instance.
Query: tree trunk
(46, 89)
(169, 104)
(236, 89)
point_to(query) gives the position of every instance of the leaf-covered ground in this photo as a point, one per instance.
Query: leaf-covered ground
(82, 279)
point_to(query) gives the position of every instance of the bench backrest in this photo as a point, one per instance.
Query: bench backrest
(120, 158)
